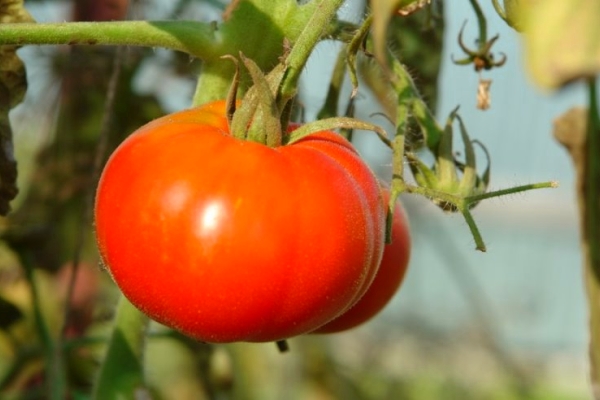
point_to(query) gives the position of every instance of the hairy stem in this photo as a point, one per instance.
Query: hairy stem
(195, 38)
(479, 244)
(307, 40)
(512, 190)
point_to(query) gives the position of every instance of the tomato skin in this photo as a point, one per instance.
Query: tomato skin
(389, 277)
(229, 240)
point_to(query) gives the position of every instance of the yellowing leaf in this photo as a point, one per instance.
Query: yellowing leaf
(562, 40)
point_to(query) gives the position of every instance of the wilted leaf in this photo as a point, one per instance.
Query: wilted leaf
(13, 84)
(574, 130)
(383, 11)
(562, 40)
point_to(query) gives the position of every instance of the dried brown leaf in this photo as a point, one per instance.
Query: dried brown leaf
(13, 84)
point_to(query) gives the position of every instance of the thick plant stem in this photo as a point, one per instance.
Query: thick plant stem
(307, 40)
(578, 131)
(121, 374)
(592, 181)
(194, 38)
(590, 220)
(215, 78)
(213, 82)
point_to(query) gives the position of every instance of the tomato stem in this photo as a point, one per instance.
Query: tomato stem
(513, 190)
(589, 203)
(463, 204)
(353, 47)
(479, 244)
(194, 38)
(409, 96)
(311, 34)
(338, 122)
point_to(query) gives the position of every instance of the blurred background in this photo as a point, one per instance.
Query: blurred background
(507, 324)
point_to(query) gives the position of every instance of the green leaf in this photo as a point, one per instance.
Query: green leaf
(13, 84)
(122, 372)
(562, 40)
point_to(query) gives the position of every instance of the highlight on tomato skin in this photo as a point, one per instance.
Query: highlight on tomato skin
(388, 280)
(199, 229)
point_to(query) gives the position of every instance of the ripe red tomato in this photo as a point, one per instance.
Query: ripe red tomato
(229, 240)
(387, 281)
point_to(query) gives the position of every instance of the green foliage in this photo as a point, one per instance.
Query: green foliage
(121, 375)
(46, 229)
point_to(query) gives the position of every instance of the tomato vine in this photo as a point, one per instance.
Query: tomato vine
(253, 58)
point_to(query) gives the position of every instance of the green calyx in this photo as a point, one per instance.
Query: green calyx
(449, 175)
(455, 185)
(263, 114)
(259, 116)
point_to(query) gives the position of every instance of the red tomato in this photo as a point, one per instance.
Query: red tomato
(387, 281)
(228, 240)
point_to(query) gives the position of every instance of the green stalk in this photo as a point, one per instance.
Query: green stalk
(399, 141)
(590, 220)
(312, 33)
(194, 38)
(434, 194)
(213, 83)
(338, 122)
(592, 181)
(503, 192)
(122, 372)
(479, 244)
(407, 93)
(353, 48)
(398, 150)
(481, 21)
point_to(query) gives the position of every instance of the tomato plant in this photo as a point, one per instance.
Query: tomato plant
(390, 275)
(230, 240)
(216, 234)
